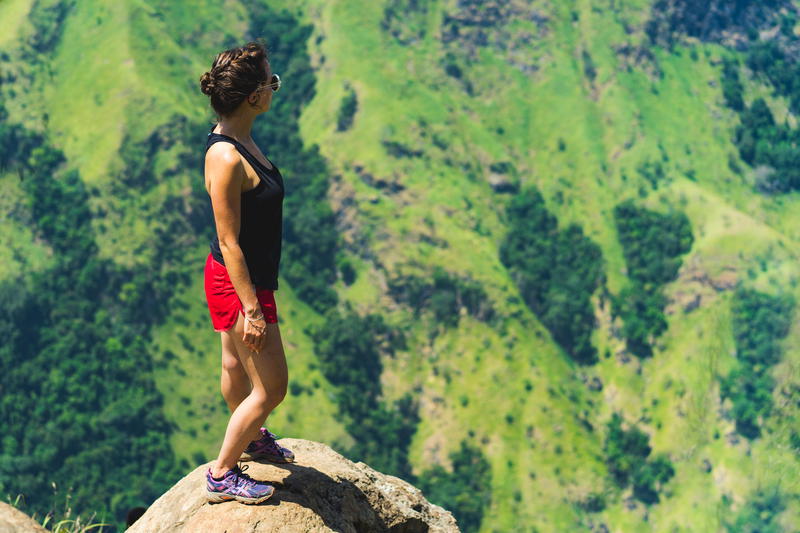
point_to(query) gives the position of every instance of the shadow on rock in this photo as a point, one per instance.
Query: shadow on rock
(321, 491)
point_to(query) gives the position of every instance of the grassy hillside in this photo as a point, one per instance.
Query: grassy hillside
(581, 106)
(609, 127)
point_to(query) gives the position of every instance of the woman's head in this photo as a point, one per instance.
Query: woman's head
(237, 75)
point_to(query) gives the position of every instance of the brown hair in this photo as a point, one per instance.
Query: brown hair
(235, 74)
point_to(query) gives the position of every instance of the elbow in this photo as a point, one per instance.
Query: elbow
(228, 244)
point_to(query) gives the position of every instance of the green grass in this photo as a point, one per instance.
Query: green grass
(12, 13)
(62, 524)
(20, 249)
(732, 224)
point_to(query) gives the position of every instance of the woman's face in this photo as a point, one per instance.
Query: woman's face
(265, 96)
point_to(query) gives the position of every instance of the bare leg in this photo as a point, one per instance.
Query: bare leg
(234, 382)
(268, 373)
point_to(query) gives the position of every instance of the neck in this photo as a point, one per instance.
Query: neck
(238, 127)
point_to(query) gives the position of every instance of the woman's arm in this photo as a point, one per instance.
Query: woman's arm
(226, 172)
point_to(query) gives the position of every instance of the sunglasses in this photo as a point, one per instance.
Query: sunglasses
(275, 83)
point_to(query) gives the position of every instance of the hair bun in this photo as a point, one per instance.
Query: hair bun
(207, 84)
(234, 74)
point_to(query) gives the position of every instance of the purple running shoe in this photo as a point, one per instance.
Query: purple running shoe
(267, 448)
(236, 485)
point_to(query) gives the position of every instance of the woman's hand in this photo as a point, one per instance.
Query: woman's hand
(255, 332)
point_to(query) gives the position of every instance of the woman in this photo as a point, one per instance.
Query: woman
(241, 271)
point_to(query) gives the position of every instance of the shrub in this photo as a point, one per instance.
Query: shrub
(347, 111)
(652, 245)
(466, 491)
(556, 271)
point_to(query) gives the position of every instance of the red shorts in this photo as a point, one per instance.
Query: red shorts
(224, 303)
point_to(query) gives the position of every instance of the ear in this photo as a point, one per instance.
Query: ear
(252, 98)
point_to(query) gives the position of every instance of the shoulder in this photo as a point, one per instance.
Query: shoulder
(223, 167)
(223, 153)
(223, 159)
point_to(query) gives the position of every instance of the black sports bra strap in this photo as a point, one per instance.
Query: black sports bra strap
(215, 137)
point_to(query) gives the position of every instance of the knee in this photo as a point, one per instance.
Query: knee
(272, 398)
(278, 394)
(231, 364)
(261, 402)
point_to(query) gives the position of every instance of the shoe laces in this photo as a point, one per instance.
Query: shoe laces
(269, 440)
(242, 477)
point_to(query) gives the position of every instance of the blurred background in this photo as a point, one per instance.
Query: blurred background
(540, 257)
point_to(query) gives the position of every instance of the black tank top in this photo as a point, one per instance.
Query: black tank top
(261, 220)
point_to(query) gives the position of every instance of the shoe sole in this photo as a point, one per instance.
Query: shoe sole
(219, 497)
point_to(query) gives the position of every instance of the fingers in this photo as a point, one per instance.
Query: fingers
(250, 341)
(262, 340)
(255, 334)
(247, 337)
(258, 343)
(254, 338)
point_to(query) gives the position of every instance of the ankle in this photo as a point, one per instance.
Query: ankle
(257, 435)
(218, 473)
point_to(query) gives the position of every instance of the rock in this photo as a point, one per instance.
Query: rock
(12, 520)
(321, 491)
(391, 186)
(501, 183)
(692, 304)
(725, 281)
(477, 24)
